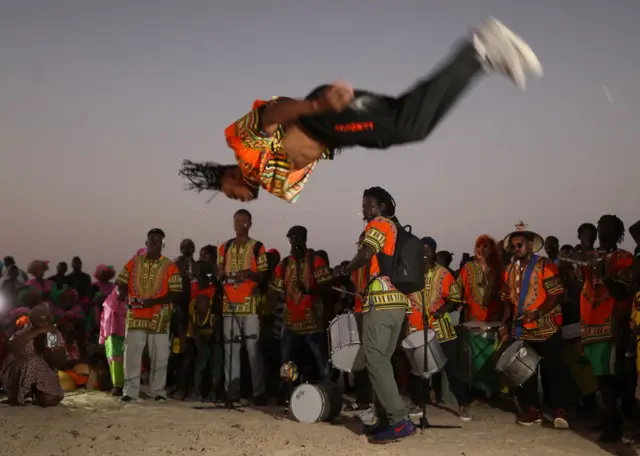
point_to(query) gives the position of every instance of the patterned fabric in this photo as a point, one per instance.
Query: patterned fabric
(28, 371)
(244, 295)
(360, 278)
(635, 324)
(439, 285)
(149, 279)
(46, 287)
(380, 236)
(474, 284)
(303, 311)
(597, 304)
(545, 281)
(262, 159)
(203, 326)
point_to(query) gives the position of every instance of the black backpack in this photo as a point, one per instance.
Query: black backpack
(407, 270)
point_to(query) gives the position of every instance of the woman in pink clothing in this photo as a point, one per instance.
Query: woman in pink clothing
(100, 290)
(112, 326)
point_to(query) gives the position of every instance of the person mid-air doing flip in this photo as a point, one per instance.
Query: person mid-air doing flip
(278, 144)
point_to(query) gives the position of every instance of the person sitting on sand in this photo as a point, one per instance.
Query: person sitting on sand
(36, 352)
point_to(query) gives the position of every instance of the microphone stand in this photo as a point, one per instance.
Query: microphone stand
(424, 421)
(229, 405)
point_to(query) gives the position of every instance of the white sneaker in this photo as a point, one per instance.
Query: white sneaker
(503, 51)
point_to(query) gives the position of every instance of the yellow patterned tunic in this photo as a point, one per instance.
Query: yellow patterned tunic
(262, 158)
(148, 279)
(244, 295)
(439, 285)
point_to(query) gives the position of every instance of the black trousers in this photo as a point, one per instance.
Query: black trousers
(379, 121)
(553, 368)
(419, 388)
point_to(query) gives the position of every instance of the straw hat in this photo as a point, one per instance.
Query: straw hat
(521, 230)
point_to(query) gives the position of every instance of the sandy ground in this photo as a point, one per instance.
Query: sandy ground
(92, 423)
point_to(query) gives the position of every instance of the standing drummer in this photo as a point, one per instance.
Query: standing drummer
(303, 278)
(440, 292)
(533, 290)
(481, 281)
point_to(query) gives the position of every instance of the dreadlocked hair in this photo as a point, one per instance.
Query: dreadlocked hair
(205, 175)
(616, 224)
(383, 197)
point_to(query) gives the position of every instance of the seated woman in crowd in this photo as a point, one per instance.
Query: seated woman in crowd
(36, 352)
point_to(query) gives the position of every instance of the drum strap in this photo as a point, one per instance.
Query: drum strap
(524, 289)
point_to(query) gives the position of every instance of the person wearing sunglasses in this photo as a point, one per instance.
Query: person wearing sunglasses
(532, 292)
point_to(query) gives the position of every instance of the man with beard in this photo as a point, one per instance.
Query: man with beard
(605, 310)
(533, 291)
(384, 309)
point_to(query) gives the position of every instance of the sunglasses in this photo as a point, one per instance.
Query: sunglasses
(517, 245)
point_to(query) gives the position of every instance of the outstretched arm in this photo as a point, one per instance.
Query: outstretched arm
(335, 97)
(286, 111)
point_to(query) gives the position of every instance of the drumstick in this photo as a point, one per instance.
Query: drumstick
(344, 291)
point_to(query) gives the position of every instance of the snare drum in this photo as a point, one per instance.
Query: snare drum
(347, 354)
(485, 329)
(311, 403)
(413, 346)
(518, 363)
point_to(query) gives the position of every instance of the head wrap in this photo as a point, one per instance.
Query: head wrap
(102, 268)
(37, 263)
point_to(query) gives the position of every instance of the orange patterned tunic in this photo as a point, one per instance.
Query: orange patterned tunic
(245, 295)
(474, 283)
(148, 279)
(262, 158)
(597, 304)
(545, 281)
(302, 312)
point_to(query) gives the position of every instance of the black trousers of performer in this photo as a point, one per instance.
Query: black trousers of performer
(553, 367)
(379, 121)
(452, 369)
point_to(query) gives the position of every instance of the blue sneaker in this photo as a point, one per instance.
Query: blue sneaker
(404, 428)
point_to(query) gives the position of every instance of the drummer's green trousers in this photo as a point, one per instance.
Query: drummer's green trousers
(380, 333)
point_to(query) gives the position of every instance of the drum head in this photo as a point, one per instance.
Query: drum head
(306, 403)
(414, 340)
(349, 358)
(509, 354)
(481, 325)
